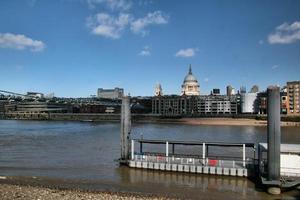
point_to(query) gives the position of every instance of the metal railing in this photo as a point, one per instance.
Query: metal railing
(201, 160)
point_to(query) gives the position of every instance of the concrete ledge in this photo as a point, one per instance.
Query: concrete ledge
(131, 163)
(150, 165)
(145, 165)
(168, 167)
(240, 172)
(162, 166)
(186, 168)
(219, 170)
(212, 170)
(199, 169)
(232, 171)
(174, 167)
(138, 164)
(193, 169)
(225, 171)
(180, 168)
(205, 170)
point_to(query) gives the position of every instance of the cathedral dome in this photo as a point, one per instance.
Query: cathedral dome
(190, 78)
(190, 84)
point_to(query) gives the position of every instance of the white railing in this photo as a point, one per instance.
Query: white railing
(192, 161)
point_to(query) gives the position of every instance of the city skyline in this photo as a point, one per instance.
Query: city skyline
(72, 48)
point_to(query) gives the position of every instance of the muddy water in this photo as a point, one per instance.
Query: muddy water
(85, 153)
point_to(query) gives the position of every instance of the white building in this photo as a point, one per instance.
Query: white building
(249, 103)
(220, 104)
(35, 95)
(115, 93)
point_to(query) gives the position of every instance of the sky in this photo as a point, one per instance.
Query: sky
(73, 47)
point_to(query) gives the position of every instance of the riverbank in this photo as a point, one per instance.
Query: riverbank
(9, 192)
(231, 120)
(28, 188)
(224, 122)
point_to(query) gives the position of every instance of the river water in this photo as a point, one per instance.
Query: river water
(87, 152)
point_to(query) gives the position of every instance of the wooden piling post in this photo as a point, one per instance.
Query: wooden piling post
(125, 127)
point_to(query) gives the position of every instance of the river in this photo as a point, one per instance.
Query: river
(87, 152)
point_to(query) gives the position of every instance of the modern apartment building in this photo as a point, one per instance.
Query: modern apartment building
(293, 97)
(174, 105)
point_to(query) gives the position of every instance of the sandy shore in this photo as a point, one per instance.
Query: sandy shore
(223, 122)
(11, 192)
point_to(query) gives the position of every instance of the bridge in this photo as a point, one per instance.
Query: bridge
(13, 93)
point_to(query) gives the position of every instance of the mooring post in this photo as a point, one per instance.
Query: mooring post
(141, 147)
(203, 152)
(173, 149)
(125, 127)
(132, 149)
(244, 155)
(274, 138)
(167, 148)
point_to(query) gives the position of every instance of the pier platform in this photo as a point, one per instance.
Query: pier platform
(202, 164)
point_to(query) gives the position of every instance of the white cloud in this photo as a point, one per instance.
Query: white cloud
(109, 26)
(106, 25)
(189, 52)
(145, 51)
(20, 42)
(138, 26)
(274, 67)
(111, 4)
(285, 34)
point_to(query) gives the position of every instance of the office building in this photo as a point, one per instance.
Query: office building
(254, 89)
(243, 90)
(230, 90)
(215, 91)
(262, 102)
(116, 93)
(221, 104)
(175, 105)
(34, 95)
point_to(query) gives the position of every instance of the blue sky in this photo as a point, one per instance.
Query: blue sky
(73, 47)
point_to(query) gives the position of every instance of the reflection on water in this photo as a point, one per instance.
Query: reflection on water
(87, 151)
(204, 182)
